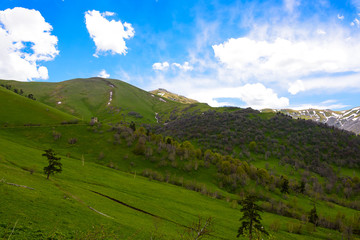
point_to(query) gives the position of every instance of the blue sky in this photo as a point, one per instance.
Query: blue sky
(260, 54)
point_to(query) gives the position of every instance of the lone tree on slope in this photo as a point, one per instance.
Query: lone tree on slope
(250, 220)
(55, 165)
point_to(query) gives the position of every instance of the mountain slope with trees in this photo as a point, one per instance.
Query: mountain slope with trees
(188, 167)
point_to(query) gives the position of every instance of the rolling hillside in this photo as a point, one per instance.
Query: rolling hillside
(20, 110)
(97, 200)
(107, 99)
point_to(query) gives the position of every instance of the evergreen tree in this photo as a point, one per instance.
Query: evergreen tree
(250, 220)
(313, 217)
(55, 166)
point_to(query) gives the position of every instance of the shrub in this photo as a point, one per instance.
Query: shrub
(56, 135)
(101, 155)
(294, 227)
(275, 226)
(135, 114)
(72, 140)
(74, 121)
(234, 204)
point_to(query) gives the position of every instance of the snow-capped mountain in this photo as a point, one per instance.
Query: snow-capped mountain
(348, 119)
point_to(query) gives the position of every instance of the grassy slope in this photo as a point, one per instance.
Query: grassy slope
(59, 208)
(19, 110)
(173, 96)
(90, 145)
(86, 98)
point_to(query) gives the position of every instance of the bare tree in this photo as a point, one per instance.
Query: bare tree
(200, 229)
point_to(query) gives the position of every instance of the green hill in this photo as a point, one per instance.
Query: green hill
(173, 96)
(19, 110)
(87, 98)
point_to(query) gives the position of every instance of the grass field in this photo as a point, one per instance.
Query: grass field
(87, 98)
(18, 110)
(59, 208)
(101, 192)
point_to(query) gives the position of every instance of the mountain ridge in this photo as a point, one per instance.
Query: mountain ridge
(348, 120)
(173, 96)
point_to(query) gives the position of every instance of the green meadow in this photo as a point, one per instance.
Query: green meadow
(103, 191)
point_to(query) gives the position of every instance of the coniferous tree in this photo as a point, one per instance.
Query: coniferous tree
(250, 221)
(55, 166)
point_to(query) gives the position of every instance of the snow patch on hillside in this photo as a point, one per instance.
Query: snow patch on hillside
(110, 99)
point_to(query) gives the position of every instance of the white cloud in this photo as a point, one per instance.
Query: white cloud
(25, 39)
(276, 55)
(256, 96)
(321, 32)
(330, 83)
(175, 66)
(329, 104)
(282, 55)
(104, 14)
(108, 36)
(341, 17)
(296, 87)
(161, 66)
(211, 90)
(356, 23)
(185, 67)
(103, 74)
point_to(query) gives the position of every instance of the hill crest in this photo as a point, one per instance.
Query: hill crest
(173, 96)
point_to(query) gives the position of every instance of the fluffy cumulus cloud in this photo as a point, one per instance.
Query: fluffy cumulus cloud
(209, 90)
(185, 67)
(280, 54)
(296, 87)
(299, 56)
(255, 95)
(161, 66)
(25, 40)
(103, 74)
(108, 35)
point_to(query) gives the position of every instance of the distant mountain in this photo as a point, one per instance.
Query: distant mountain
(348, 119)
(173, 96)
